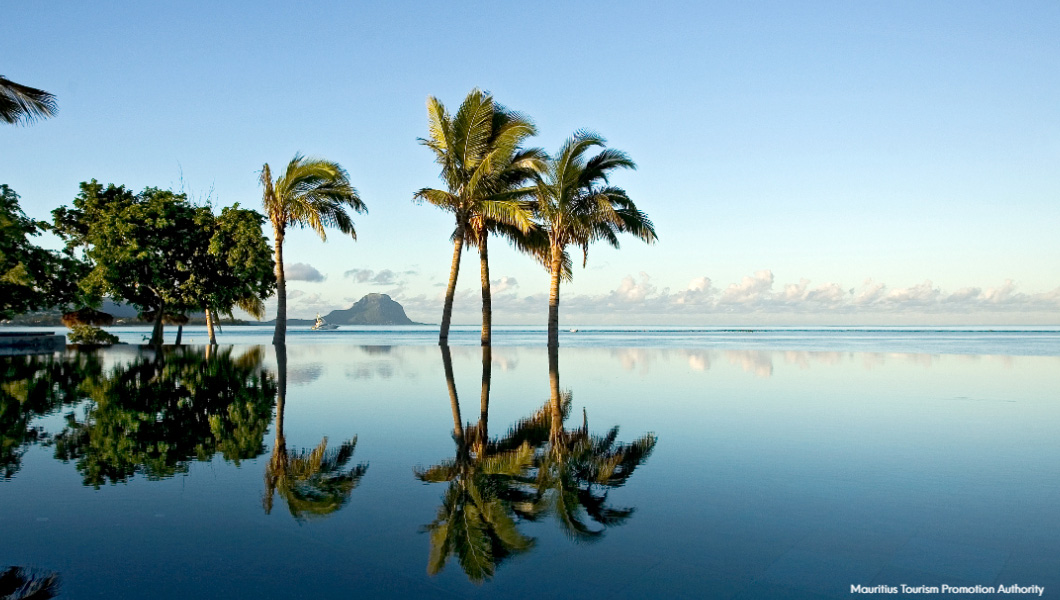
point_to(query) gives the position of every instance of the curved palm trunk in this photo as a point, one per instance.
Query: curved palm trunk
(280, 336)
(553, 299)
(180, 335)
(209, 327)
(450, 292)
(487, 300)
(156, 332)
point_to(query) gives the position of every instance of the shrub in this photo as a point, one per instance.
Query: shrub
(87, 334)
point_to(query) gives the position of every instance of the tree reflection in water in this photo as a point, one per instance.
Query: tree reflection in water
(34, 386)
(313, 483)
(20, 583)
(537, 468)
(152, 415)
(159, 412)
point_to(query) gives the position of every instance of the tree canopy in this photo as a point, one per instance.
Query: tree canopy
(31, 278)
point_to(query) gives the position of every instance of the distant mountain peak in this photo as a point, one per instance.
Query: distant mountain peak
(372, 309)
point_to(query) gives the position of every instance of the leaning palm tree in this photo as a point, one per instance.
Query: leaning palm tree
(577, 206)
(484, 169)
(21, 103)
(312, 193)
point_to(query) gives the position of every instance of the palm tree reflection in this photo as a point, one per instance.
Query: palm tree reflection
(486, 494)
(21, 583)
(537, 468)
(313, 483)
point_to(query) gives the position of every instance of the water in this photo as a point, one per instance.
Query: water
(794, 464)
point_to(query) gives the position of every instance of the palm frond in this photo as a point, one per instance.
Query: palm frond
(21, 103)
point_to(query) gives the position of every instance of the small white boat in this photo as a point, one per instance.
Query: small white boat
(574, 331)
(322, 325)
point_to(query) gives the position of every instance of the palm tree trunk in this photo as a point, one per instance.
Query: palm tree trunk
(450, 292)
(156, 333)
(209, 327)
(280, 336)
(553, 299)
(180, 334)
(487, 300)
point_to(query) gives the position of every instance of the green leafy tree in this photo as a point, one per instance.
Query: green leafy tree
(31, 278)
(577, 206)
(311, 193)
(484, 169)
(141, 246)
(235, 269)
(23, 104)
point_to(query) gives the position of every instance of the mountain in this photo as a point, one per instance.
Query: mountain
(373, 309)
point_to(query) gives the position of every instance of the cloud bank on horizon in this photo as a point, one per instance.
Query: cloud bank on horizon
(755, 299)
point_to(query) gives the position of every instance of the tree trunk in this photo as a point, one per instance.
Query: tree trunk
(180, 334)
(487, 300)
(209, 327)
(553, 299)
(484, 401)
(450, 292)
(280, 337)
(156, 333)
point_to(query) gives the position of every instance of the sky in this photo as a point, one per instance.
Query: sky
(817, 163)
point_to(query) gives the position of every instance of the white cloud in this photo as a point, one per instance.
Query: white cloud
(302, 272)
(750, 290)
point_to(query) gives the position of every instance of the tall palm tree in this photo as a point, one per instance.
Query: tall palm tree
(22, 103)
(577, 206)
(312, 193)
(484, 169)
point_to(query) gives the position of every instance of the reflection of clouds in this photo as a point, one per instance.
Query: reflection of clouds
(505, 362)
(370, 371)
(632, 358)
(302, 374)
(758, 362)
(699, 361)
(376, 350)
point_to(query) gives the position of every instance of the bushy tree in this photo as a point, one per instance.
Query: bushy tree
(31, 278)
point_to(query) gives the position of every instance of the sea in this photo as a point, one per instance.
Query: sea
(635, 462)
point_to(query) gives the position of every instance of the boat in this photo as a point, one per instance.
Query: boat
(322, 325)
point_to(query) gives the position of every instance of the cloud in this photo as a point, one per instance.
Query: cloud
(750, 290)
(302, 272)
(384, 277)
(504, 284)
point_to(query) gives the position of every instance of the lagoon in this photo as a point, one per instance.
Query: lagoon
(785, 463)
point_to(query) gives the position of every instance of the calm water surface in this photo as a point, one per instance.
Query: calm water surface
(708, 471)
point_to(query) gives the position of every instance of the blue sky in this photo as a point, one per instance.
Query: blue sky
(817, 163)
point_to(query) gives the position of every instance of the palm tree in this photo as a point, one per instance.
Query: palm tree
(484, 170)
(312, 193)
(576, 205)
(22, 103)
